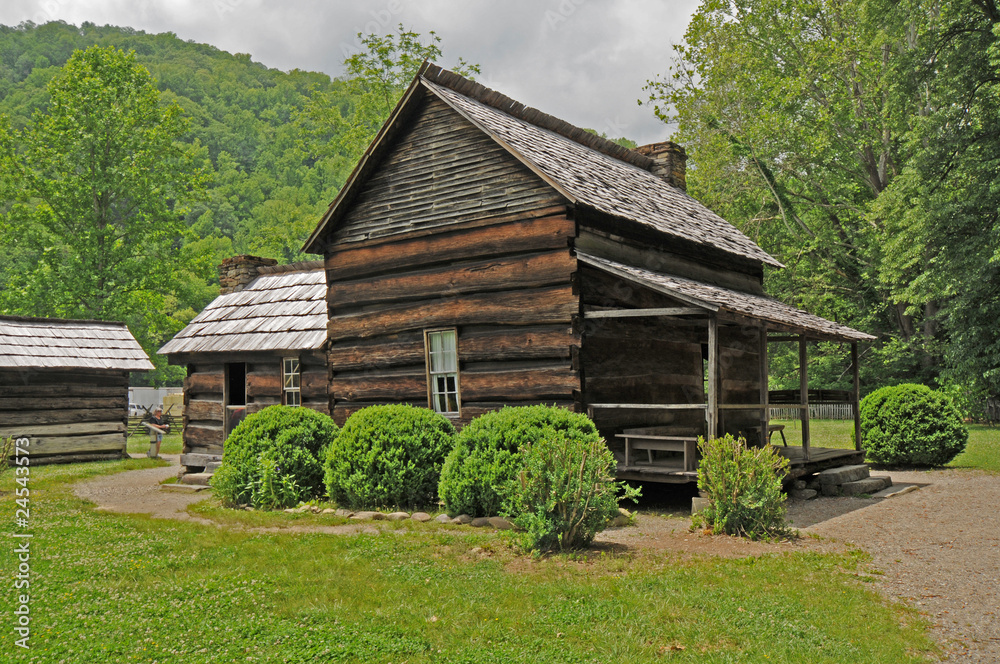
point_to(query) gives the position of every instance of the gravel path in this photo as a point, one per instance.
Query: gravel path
(938, 549)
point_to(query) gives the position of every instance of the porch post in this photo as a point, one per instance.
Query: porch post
(765, 413)
(804, 395)
(856, 398)
(712, 412)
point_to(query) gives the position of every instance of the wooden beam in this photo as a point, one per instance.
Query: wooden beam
(742, 406)
(856, 397)
(785, 337)
(712, 412)
(765, 413)
(637, 313)
(804, 395)
(648, 406)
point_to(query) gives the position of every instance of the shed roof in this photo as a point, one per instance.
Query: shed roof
(282, 309)
(717, 298)
(587, 170)
(56, 343)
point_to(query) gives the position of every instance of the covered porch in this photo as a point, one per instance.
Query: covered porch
(736, 330)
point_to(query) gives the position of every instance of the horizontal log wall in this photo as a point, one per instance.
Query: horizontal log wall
(73, 415)
(639, 360)
(453, 232)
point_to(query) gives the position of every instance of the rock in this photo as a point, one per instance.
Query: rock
(290, 510)
(479, 522)
(315, 509)
(829, 490)
(462, 520)
(698, 504)
(618, 522)
(843, 474)
(329, 510)
(813, 484)
(500, 523)
(895, 490)
(363, 516)
(398, 516)
(804, 494)
(345, 513)
(442, 518)
(799, 485)
(422, 517)
(867, 485)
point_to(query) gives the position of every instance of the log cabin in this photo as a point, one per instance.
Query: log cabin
(483, 253)
(259, 343)
(64, 386)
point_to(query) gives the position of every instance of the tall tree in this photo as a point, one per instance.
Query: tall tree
(98, 184)
(831, 131)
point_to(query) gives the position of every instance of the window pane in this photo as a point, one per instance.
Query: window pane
(294, 398)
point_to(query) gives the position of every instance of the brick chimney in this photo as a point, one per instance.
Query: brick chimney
(670, 162)
(237, 272)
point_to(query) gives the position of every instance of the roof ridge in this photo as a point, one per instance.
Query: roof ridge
(301, 266)
(514, 108)
(43, 319)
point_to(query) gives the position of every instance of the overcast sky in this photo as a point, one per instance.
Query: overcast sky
(584, 61)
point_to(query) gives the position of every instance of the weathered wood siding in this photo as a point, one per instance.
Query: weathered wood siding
(204, 391)
(452, 232)
(69, 415)
(441, 170)
(639, 360)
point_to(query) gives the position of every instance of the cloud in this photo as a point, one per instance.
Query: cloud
(581, 60)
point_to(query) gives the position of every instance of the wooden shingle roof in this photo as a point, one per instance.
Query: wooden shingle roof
(55, 343)
(282, 309)
(587, 170)
(716, 298)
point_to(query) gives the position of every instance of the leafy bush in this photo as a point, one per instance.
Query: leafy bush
(388, 456)
(743, 485)
(273, 458)
(911, 424)
(564, 493)
(485, 457)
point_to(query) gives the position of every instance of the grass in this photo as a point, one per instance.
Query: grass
(122, 588)
(172, 443)
(982, 452)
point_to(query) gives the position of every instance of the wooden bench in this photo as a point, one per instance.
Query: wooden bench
(652, 440)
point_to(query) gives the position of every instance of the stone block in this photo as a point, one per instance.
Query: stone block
(829, 490)
(804, 494)
(698, 504)
(842, 474)
(867, 485)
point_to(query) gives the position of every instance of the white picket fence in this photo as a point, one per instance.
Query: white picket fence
(817, 411)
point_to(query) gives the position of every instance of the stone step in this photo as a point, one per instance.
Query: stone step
(198, 479)
(199, 460)
(868, 485)
(184, 488)
(843, 474)
(896, 490)
(212, 467)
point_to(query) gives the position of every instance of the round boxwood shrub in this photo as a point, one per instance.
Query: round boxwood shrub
(388, 456)
(911, 425)
(486, 453)
(273, 458)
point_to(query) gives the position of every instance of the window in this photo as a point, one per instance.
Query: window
(291, 381)
(442, 370)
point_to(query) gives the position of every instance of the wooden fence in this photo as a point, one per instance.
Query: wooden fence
(817, 411)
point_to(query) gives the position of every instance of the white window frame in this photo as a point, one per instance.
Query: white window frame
(291, 381)
(433, 385)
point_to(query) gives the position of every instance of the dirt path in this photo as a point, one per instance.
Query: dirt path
(938, 548)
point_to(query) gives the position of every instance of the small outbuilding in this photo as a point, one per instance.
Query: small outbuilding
(259, 343)
(64, 386)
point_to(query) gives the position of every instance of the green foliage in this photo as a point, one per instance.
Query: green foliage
(857, 142)
(273, 458)
(565, 492)
(388, 456)
(485, 457)
(911, 424)
(97, 186)
(743, 485)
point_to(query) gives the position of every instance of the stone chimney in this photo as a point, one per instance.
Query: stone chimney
(237, 272)
(670, 162)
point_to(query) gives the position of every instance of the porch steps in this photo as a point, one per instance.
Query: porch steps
(852, 480)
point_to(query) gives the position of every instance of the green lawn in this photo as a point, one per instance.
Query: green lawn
(983, 450)
(172, 443)
(116, 588)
